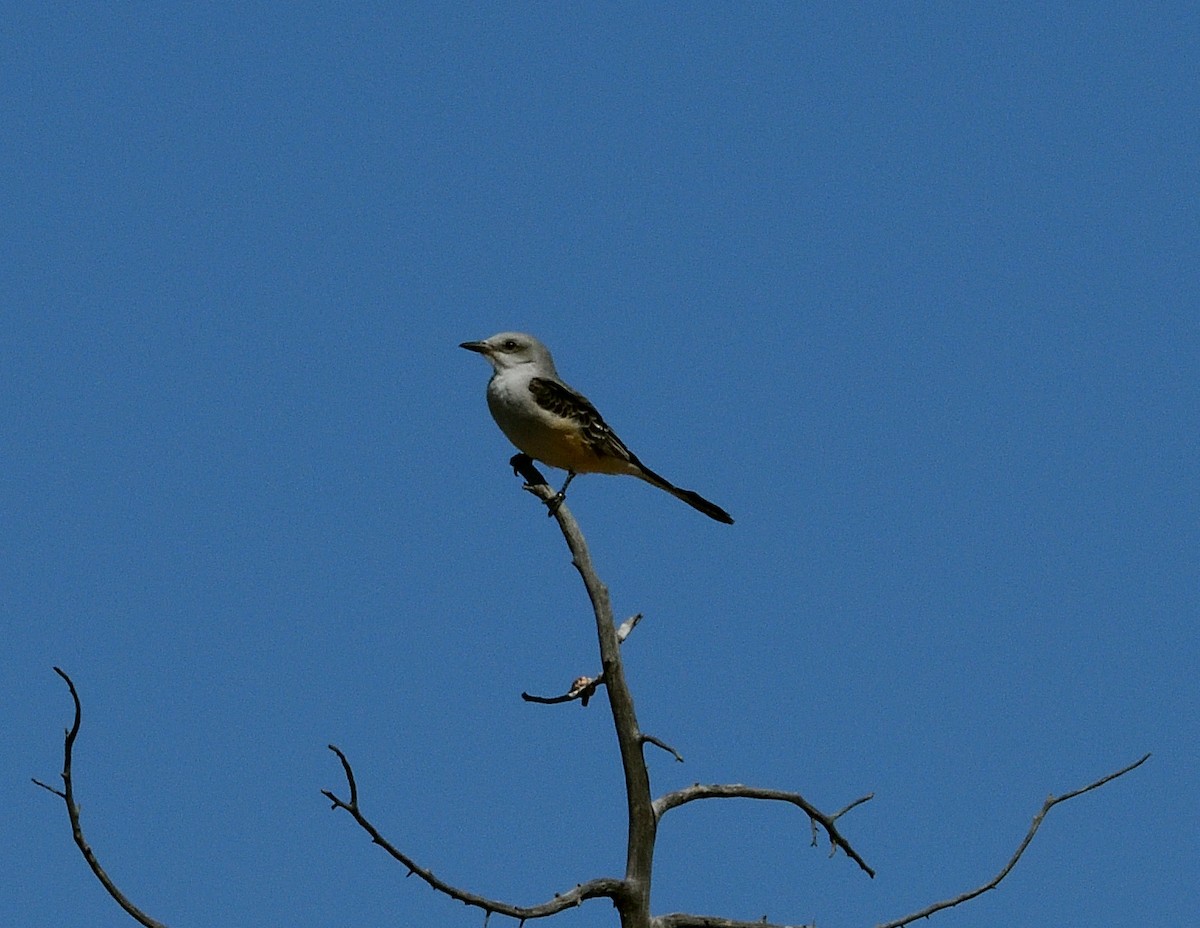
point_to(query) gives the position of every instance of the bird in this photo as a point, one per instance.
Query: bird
(549, 421)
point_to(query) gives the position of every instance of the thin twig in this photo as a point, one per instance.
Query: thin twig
(857, 802)
(991, 884)
(604, 887)
(680, 797)
(659, 743)
(67, 795)
(582, 689)
(683, 920)
(549, 700)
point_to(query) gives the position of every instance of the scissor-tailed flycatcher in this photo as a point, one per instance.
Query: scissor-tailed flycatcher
(549, 421)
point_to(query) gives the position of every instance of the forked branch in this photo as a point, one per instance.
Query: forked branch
(634, 907)
(683, 920)
(583, 689)
(67, 795)
(608, 888)
(680, 797)
(631, 895)
(659, 743)
(991, 884)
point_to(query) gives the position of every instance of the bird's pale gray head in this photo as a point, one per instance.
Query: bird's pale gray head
(508, 350)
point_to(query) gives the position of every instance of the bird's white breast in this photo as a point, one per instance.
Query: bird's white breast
(536, 431)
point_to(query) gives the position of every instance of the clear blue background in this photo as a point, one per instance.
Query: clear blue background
(911, 290)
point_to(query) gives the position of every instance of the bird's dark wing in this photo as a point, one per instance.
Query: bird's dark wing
(561, 400)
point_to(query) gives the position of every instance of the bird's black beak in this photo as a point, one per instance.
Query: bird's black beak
(480, 347)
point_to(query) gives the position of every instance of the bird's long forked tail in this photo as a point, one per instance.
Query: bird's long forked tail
(692, 498)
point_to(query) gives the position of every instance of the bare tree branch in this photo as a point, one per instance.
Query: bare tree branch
(688, 794)
(67, 795)
(634, 908)
(631, 895)
(991, 884)
(583, 689)
(627, 626)
(659, 743)
(609, 888)
(683, 920)
(857, 802)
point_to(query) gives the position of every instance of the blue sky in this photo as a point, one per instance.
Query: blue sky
(911, 291)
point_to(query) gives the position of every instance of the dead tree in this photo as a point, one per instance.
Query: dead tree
(630, 894)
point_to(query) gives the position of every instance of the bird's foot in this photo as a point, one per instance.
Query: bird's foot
(557, 499)
(520, 463)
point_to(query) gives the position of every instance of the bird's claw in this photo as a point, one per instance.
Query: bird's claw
(519, 462)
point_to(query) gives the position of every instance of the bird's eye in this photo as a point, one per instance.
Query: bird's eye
(510, 345)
